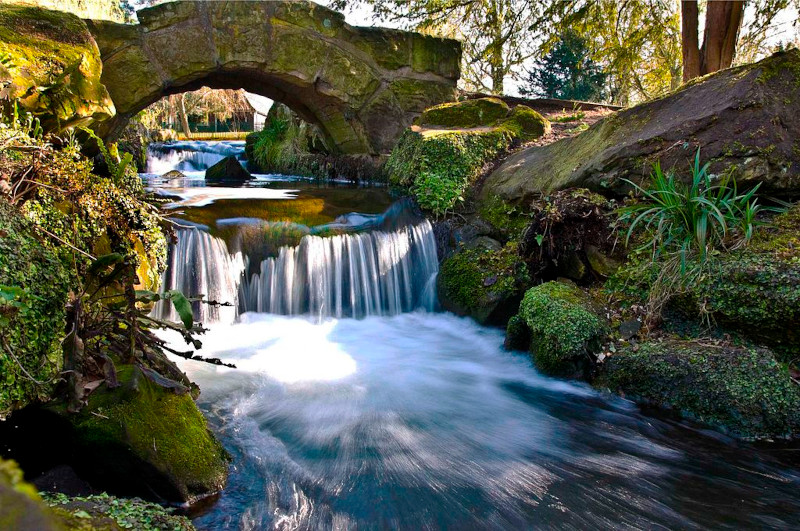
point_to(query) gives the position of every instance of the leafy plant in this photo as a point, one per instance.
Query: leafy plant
(118, 166)
(682, 224)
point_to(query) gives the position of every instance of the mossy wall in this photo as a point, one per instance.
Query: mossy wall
(33, 296)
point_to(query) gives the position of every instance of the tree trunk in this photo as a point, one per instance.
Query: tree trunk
(723, 20)
(184, 119)
(494, 22)
(689, 43)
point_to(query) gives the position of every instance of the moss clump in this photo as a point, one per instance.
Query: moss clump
(526, 123)
(108, 512)
(482, 283)
(157, 435)
(744, 391)
(565, 331)
(33, 295)
(507, 219)
(482, 112)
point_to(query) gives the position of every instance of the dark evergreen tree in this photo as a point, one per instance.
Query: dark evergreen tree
(567, 72)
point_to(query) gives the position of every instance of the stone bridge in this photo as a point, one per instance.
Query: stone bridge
(362, 86)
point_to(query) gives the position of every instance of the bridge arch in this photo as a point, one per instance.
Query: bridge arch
(362, 86)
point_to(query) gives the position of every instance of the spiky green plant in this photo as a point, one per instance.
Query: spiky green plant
(682, 224)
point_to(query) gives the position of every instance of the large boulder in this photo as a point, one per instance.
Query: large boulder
(50, 64)
(744, 120)
(145, 438)
(228, 170)
(33, 297)
(741, 390)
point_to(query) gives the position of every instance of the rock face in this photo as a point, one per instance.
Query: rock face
(51, 65)
(227, 170)
(361, 86)
(33, 294)
(744, 118)
(743, 391)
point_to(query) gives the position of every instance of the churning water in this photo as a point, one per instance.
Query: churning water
(403, 418)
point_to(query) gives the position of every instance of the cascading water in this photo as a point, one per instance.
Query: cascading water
(190, 156)
(200, 264)
(350, 275)
(346, 275)
(415, 420)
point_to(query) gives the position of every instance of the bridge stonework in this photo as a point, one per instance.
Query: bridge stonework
(362, 86)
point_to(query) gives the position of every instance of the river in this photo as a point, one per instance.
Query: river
(356, 404)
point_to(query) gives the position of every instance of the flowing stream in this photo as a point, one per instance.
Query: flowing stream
(356, 405)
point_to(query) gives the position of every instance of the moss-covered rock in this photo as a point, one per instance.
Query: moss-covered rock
(741, 390)
(526, 123)
(33, 296)
(565, 331)
(758, 97)
(152, 436)
(481, 112)
(485, 284)
(104, 512)
(20, 504)
(50, 64)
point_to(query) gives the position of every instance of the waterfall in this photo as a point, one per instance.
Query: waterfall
(190, 156)
(347, 275)
(200, 264)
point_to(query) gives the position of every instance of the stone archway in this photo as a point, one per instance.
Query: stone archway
(362, 86)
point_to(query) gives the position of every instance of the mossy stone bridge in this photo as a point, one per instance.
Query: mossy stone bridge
(362, 86)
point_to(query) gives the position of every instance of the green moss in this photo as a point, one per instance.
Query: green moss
(33, 295)
(482, 112)
(51, 50)
(526, 123)
(565, 331)
(156, 426)
(743, 391)
(108, 512)
(475, 282)
(506, 218)
(20, 504)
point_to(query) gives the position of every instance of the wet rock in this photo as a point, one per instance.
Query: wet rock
(602, 264)
(629, 329)
(228, 170)
(173, 175)
(565, 330)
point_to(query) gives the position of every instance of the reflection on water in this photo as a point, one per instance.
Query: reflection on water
(422, 421)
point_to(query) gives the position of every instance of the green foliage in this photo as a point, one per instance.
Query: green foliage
(283, 143)
(683, 224)
(510, 220)
(440, 166)
(33, 294)
(565, 332)
(567, 72)
(127, 513)
(742, 390)
(122, 172)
